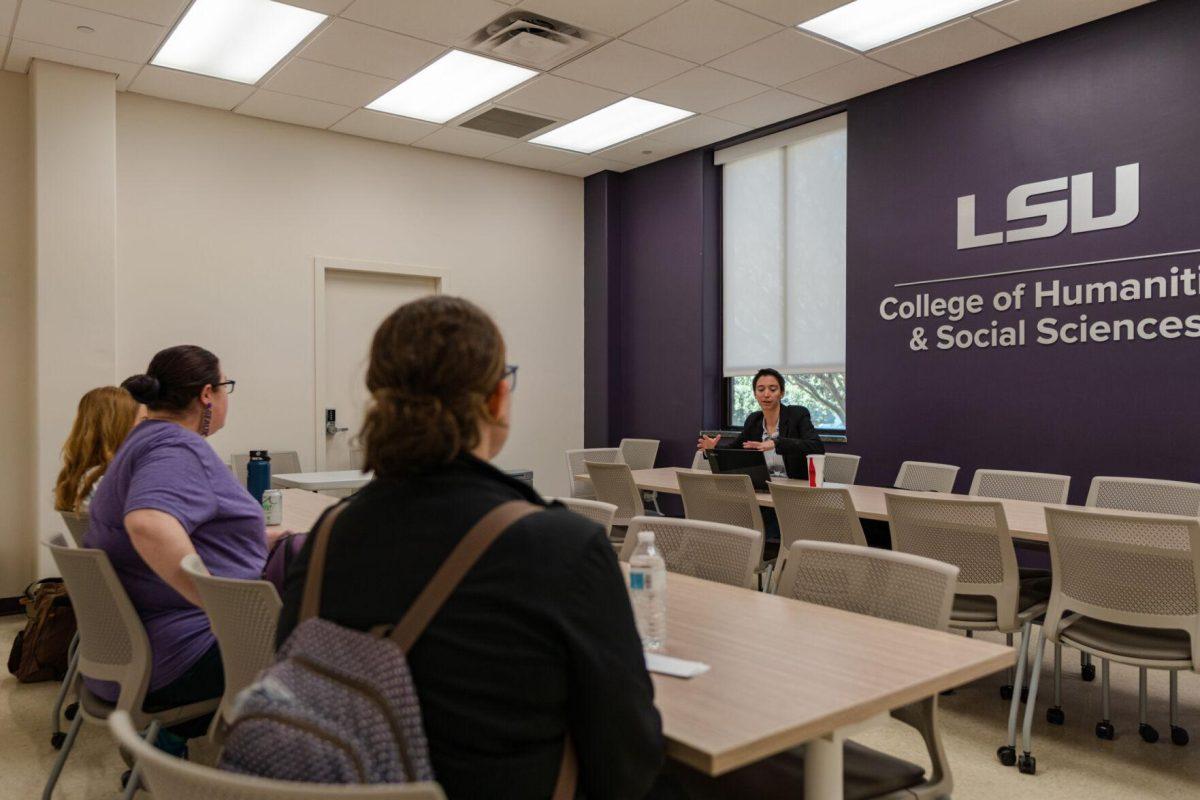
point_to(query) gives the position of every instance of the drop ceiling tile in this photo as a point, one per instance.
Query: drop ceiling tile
(766, 108)
(524, 154)
(787, 12)
(699, 131)
(590, 165)
(943, 47)
(611, 17)
(851, 79)
(8, 10)
(552, 96)
(293, 109)
(188, 88)
(433, 20)
(702, 89)
(21, 52)
(158, 12)
(328, 7)
(784, 57)
(643, 150)
(463, 142)
(332, 84)
(52, 23)
(385, 127)
(623, 67)
(362, 48)
(1030, 19)
(701, 30)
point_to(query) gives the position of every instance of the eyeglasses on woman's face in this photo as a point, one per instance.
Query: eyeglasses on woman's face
(228, 384)
(510, 375)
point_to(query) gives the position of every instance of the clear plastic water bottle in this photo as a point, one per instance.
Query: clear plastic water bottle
(648, 593)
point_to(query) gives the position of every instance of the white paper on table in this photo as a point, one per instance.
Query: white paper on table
(677, 667)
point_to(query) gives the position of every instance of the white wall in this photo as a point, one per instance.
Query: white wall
(16, 338)
(220, 216)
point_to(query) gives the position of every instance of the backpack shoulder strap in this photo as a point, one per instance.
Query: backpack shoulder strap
(310, 603)
(452, 570)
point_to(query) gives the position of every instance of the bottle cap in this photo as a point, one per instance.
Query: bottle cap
(645, 537)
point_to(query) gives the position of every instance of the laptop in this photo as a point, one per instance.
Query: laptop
(726, 461)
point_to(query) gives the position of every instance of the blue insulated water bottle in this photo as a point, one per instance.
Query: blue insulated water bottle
(258, 474)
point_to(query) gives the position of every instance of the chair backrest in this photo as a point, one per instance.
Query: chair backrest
(841, 468)
(972, 535)
(592, 509)
(728, 499)
(810, 514)
(113, 645)
(1038, 487)
(169, 777)
(614, 484)
(575, 466)
(700, 462)
(77, 523)
(708, 550)
(283, 462)
(639, 453)
(243, 615)
(866, 580)
(925, 476)
(1145, 495)
(1131, 569)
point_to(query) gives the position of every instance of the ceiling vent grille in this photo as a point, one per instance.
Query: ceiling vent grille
(506, 123)
(533, 40)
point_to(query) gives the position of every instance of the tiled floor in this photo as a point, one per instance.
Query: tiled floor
(1072, 762)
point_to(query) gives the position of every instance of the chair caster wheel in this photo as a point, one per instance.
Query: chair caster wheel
(58, 737)
(1006, 692)
(1055, 716)
(70, 711)
(1148, 734)
(1105, 730)
(1007, 755)
(1088, 672)
(1027, 764)
(1179, 736)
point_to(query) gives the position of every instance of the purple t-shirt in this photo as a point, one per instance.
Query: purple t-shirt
(164, 467)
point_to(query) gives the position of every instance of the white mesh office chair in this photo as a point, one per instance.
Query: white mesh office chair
(575, 467)
(243, 615)
(990, 596)
(283, 462)
(822, 514)
(1127, 589)
(924, 476)
(708, 550)
(841, 468)
(614, 484)
(1037, 487)
(641, 454)
(595, 510)
(113, 646)
(77, 523)
(728, 499)
(887, 585)
(170, 778)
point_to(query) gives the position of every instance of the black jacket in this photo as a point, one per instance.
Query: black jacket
(537, 640)
(797, 438)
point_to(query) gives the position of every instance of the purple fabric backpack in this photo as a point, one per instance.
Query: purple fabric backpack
(283, 554)
(339, 705)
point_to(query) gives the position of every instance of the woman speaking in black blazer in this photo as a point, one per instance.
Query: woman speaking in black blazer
(784, 434)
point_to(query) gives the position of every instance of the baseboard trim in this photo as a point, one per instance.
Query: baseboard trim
(10, 605)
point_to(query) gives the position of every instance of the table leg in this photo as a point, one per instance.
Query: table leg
(823, 768)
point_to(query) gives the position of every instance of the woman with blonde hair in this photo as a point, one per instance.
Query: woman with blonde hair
(105, 417)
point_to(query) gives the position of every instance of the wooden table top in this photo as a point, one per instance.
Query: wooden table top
(1026, 520)
(786, 672)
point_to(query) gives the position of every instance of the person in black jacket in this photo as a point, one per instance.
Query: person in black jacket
(538, 641)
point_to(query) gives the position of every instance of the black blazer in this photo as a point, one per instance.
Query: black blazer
(797, 438)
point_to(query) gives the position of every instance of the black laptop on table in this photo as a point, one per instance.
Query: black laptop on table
(725, 461)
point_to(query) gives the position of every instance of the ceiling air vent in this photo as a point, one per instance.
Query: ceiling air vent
(533, 40)
(506, 123)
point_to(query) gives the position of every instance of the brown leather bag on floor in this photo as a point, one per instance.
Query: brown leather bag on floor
(40, 651)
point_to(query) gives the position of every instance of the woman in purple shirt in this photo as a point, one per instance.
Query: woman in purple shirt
(166, 495)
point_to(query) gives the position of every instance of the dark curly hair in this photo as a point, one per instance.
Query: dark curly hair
(762, 373)
(434, 363)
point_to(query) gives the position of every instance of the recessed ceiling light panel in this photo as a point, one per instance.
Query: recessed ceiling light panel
(622, 120)
(238, 40)
(867, 24)
(455, 83)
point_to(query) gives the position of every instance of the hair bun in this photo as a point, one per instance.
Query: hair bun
(144, 388)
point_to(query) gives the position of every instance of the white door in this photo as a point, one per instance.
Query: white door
(355, 303)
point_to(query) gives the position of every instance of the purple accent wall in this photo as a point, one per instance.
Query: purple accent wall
(1121, 90)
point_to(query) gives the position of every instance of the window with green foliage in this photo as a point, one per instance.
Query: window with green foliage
(822, 393)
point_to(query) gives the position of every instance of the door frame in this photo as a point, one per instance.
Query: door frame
(322, 266)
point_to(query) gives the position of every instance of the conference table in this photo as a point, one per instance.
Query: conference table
(344, 479)
(782, 673)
